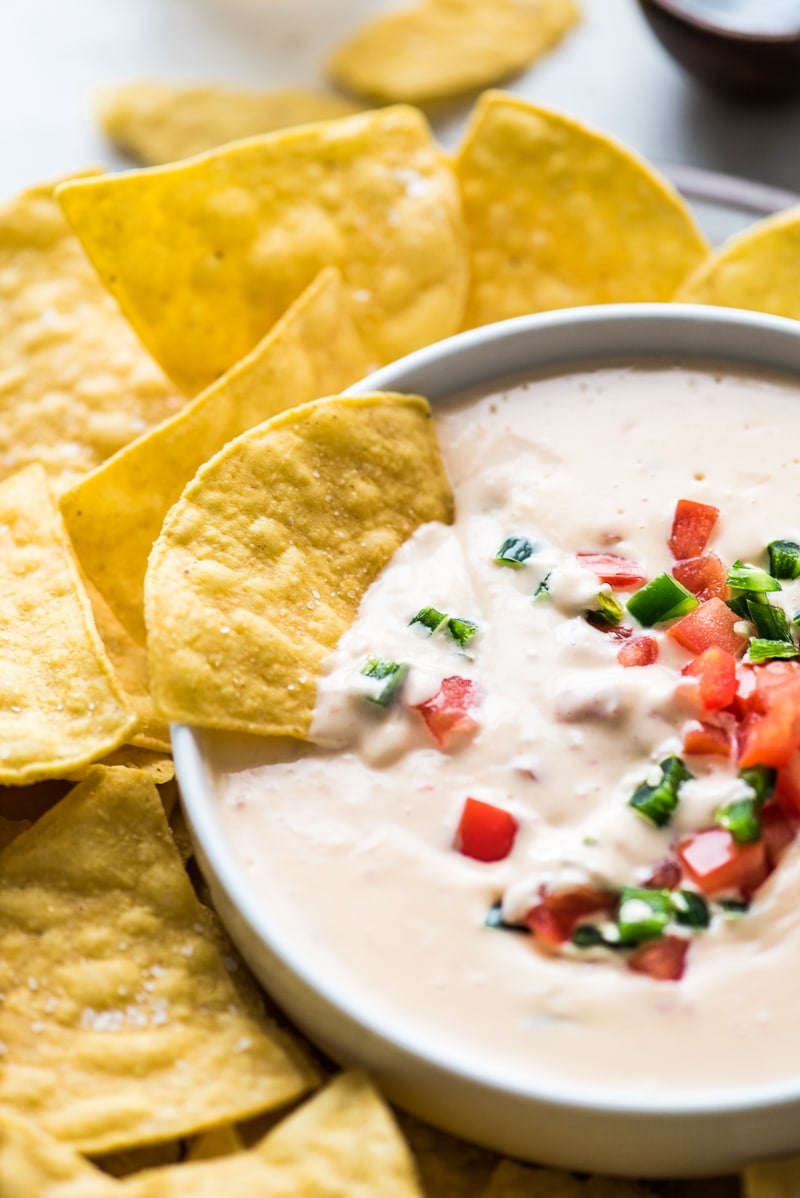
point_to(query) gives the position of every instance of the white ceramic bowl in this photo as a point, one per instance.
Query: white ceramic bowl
(688, 1135)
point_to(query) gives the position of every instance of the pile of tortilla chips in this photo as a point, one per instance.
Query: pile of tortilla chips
(193, 549)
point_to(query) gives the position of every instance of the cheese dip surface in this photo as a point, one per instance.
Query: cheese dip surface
(523, 836)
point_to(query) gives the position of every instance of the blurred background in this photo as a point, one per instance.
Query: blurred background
(610, 71)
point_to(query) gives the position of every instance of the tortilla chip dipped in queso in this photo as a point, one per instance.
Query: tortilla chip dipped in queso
(262, 563)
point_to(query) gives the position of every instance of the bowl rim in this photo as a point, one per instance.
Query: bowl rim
(678, 12)
(197, 790)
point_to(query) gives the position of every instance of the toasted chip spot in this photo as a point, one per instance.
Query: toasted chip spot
(758, 269)
(277, 539)
(61, 707)
(559, 216)
(444, 47)
(119, 1018)
(206, 255)
(116, 513)
(75, 384)
(161, 122)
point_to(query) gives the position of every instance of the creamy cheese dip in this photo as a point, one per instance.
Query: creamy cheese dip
(349, 845)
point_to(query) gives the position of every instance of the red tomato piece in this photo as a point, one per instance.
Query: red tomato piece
(706, 576)
(692, 525)
(554, 919)
(787, 785)
(712, 623)
(716, 863)
(715, 671)
(485, 832)
(447, 713)
(771, 738)
(638, 651)
(707, 739)
(663, 960)
(666, 876)
(778, 830)
(620, 573)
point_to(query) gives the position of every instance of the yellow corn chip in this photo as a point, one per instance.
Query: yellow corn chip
(442, 48)
(758, 269)
(75, 384)
(341, 1144)
(158, 766)
(116, 513)
(772, 1179)
(511, 1180)
(161, 122)
(120, 1023)
(129, 659)
(60, 705)
(206, 255)
(263, 561)
(558, 216)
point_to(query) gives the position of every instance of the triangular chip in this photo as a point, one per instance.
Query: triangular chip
(342, 1144)
(120, 1024)
(75, 384)
(262, 563)
(442, 48)
(61, 706)
(559, 216)
(162, 122)
(206, 255)
(116, 513)
(758, 269)
(129, 660)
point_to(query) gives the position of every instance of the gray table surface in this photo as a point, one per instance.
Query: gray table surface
(610, 72)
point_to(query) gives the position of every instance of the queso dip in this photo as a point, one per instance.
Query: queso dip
(525, 834)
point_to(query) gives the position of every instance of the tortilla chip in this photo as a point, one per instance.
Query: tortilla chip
(447, 1167)
(206, 255)
(220, 1141)
(121, 1024)
(129, 660)
(263, 561)
(75, 384)
(772, 1179)
(758, 270)
(60, 705)
(159, 767)
(443, 48)
(162, 122)
(511, 1180)
(560, 216)
(115, 514)
(341, 1144)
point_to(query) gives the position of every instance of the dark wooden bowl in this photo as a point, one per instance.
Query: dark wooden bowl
(764, 64)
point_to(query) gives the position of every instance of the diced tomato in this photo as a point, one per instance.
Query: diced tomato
(712, 623)
(787, 785)
(778, 830)
(639, 651)
(447, 714)
(771, 738)
(706, 576)
(708, 739)
(692, 525)
(663, 960)
(778, 676)
(555, 917)
(485, 832)
(716, 863)
(666, 876)
(715, 671)
(620, 573)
